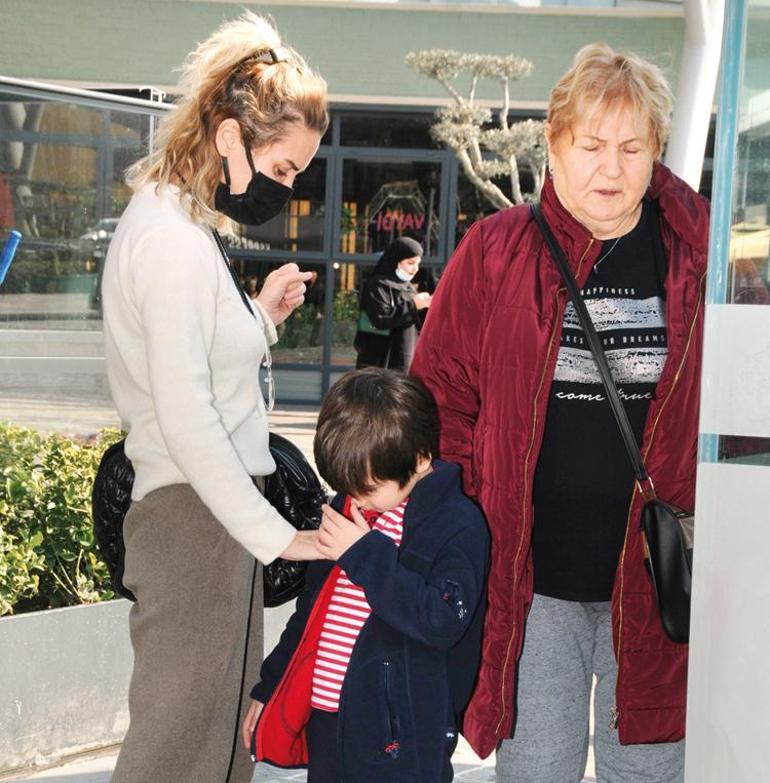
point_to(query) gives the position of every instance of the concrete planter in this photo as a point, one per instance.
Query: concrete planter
(63, 682)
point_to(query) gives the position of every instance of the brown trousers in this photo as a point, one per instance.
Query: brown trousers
(196, 630)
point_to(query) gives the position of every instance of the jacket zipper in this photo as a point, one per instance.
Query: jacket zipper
(556, 325)
(393, 748)
(614, 712)
(257, 749)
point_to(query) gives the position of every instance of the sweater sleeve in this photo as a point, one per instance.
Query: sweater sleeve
(175, 287)
(271, 333)
(447, 356)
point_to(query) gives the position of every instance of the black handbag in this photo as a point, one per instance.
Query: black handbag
(668, 531)
(293, 489)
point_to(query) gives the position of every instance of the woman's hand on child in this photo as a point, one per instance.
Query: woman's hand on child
(338, 533)
(302, 546)
(250, 722)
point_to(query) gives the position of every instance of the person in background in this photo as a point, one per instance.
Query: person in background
(183, 347)
(523, 411)
(371, 675)
(391, 308)
(251, 286)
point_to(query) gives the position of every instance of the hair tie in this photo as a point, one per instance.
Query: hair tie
(273, 56)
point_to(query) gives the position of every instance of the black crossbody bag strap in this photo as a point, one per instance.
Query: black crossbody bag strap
(632, 448)
(231, 270)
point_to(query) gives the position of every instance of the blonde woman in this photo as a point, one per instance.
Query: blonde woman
(523, 411)
(183, 354)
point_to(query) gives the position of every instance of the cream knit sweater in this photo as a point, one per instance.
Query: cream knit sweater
(183, 356)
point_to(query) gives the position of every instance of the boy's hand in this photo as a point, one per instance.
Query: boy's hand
(250, 723)
(337, 533)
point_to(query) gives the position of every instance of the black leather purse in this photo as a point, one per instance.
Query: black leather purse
(294, 490)
(668, 531)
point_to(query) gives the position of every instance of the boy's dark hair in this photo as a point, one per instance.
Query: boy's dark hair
(373, 426)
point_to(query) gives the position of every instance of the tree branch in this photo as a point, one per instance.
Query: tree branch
(451, 90)
(491, 192)
(506, 106)
(472, 93)
(515, 183)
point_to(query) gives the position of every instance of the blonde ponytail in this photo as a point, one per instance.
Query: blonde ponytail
(227, 76)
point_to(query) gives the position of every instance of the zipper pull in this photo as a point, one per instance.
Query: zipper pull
(393, 749)
(614, 715)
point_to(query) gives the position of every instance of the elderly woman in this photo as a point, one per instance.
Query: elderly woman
(523, 411)
(183, 346)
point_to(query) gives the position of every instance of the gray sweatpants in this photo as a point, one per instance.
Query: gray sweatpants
(566, 644)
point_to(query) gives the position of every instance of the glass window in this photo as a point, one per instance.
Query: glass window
(472, 205)
(749, 271)
(300, 226)
(61, 169)
(301, 336)
(748, 264)
(386, 130)
(348, 282)
(385, 200)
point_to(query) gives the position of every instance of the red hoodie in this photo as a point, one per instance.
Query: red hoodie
(488, 353)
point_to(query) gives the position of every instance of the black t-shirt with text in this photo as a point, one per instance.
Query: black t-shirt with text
(583, 481)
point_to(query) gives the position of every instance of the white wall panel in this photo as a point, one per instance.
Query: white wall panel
(736, 371)
(728, 713)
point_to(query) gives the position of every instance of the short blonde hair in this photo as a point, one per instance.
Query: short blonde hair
(601, 77)
(225, 77)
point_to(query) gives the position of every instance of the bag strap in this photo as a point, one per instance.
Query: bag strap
(268, 363)
(231, 270)
(621, 417)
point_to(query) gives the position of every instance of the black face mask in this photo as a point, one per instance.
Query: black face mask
(264, 197)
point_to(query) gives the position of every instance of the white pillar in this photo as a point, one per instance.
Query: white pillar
(704, 22)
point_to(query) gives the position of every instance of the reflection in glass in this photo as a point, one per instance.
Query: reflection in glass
(471, 205)
(749, 271)
(348, 283)
(383, 201)
(301, 336)
(743, 450)
(61, 168)
(386, 130)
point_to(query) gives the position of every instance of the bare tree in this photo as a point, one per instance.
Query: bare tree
(486, 145)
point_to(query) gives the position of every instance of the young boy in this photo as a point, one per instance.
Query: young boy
(373, 670)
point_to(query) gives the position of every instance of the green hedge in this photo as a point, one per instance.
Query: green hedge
(48, 556)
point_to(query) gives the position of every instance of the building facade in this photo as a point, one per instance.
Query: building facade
(379, 172)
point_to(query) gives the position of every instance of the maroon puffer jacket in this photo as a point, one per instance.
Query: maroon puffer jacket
(488, 353)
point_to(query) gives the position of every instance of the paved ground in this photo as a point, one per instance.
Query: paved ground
(86, 417)
(90, 769)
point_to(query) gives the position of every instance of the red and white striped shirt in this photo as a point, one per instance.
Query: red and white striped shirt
(346, 614)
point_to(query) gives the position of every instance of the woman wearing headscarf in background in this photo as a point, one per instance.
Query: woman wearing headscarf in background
(391, 308)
